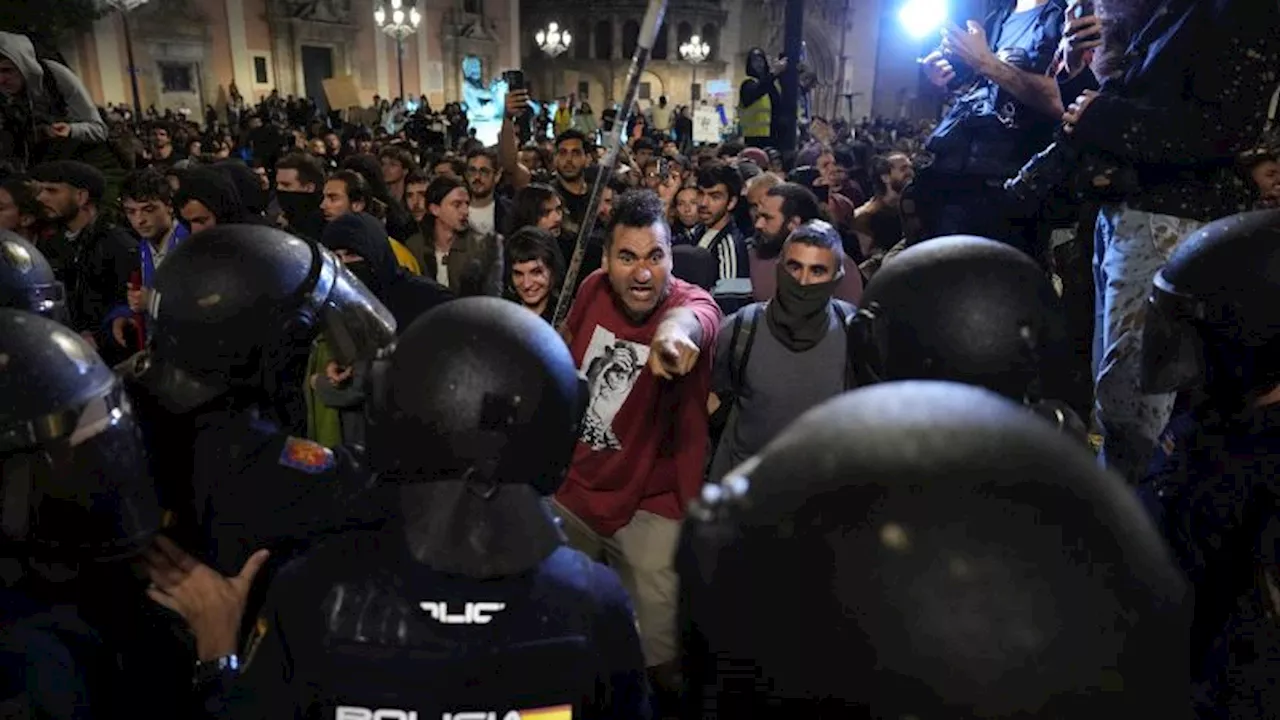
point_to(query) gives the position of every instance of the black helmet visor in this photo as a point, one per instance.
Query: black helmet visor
(74, 484)
(355, 323)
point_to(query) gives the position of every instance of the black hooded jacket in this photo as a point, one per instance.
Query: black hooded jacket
(252, 196)
(406, 296)
(215, 191)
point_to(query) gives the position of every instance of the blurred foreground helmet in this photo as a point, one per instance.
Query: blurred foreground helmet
(233, 307)
(919, 550)
(970, 310)
(478, 389)
(1212, 318)
(27, 281)
(73, 476)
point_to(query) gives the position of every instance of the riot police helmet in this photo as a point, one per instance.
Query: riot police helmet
(1212, 321)
(73, 472)
(960, 308)
(232, 307)
(918, 550)
(27, 281)
(474, 417)
(477, 387)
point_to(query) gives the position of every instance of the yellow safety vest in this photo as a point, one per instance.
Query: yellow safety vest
(757, 118)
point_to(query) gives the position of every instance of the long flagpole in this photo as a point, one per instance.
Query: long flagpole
(648, 34)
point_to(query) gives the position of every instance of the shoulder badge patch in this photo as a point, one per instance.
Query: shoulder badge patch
(306, 455)
(255, 640)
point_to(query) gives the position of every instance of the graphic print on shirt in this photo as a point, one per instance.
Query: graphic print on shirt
(610, 366)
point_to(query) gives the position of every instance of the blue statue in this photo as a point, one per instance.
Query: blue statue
(484, 104)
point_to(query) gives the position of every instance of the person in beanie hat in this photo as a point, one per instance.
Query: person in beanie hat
(90, 255)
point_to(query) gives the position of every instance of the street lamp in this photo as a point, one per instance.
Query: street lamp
(124, 7)
(399, 25)
(694, 52)
(553, 41)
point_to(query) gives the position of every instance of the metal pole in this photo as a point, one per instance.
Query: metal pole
(133, 70)
(648, 33)
(400, 63)
(793, 37)
(693, 85)
(844, 36)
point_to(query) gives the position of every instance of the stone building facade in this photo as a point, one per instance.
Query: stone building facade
(188, 52)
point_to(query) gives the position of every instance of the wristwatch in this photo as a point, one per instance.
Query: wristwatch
(215, 670)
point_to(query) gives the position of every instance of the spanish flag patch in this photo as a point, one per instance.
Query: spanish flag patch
(306, 455)
(559, 712)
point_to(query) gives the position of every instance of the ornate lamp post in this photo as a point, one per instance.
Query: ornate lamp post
(694, 52)
(399, 24)
(124, 7)
(554, 42)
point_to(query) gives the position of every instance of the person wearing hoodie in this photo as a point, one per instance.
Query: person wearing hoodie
(346, 191)
(207, 198)
(334, 394)
(47, 114)
(42, 99)
(759, 97)
(252, 196)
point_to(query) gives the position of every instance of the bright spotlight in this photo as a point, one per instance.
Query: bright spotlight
(923, 17)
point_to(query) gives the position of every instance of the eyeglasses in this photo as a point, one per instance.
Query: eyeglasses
(482, 172)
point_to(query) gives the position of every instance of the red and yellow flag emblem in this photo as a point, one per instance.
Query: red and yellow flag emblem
(559, 712)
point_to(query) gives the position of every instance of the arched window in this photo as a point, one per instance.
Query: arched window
(660, 43)
(582, 39)
(684, 31)
(604, 40)
(711, 36)
(630, 37)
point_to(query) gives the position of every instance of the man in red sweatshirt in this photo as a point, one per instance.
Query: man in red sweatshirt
(642, 340)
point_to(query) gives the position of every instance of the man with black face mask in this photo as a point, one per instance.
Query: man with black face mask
(783, 209)
(360, 242)
(798, 341)
(299, 190)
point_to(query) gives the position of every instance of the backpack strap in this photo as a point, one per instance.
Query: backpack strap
(843, 315)
(744, 336)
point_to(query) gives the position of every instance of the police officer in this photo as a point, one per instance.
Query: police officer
(970, 310)
(27, 281)
(920, 550)
(234, 316)
(469, 602)
(1213, 328)
(78, 637)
